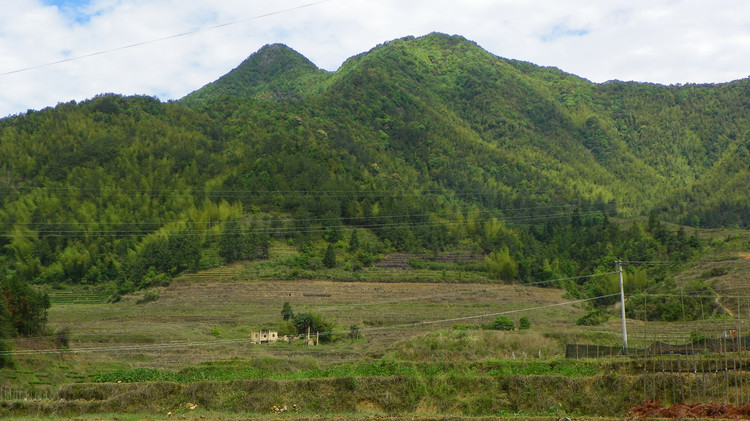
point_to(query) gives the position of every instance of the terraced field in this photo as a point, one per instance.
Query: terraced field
(78, 296)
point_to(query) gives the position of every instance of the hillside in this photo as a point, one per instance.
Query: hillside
(467, 120)
(419, 145)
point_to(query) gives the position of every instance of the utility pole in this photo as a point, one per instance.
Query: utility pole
(622, 310)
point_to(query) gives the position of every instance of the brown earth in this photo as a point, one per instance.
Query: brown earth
(680, 411)
(401, 260)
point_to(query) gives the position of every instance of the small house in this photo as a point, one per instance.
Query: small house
(264, 337)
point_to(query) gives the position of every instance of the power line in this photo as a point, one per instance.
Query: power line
(502, 313)
(468, 215)
(699, 262)
(238, 194)
(179, 345)
(169, 37)
(394, 301)
(67, 233)
(453, 294)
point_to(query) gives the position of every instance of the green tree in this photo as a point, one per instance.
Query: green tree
(354, 241)
(501, 265)
(25, 308)
(233, 244)
(6, 331)
(315, 323)
(170, 255)
(286, 311)
(329, 259)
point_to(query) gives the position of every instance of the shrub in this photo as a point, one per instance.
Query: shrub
(593, 318)
(215, 332)
(62, 337)
(501, 323)
(354, 332)
(524, 323)
(697, 336)
(148, 296)
(5, 357)
(715, 272)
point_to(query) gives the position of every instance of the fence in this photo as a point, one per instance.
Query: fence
(8, 393)
(708, 370)
(703, 346)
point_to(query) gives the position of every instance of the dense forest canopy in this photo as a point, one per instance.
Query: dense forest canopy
(426, 143)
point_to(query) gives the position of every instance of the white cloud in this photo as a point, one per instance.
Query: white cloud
(663, 41)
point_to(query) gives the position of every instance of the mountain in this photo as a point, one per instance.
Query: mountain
(420, 143)
(275, 72)
(502, 121)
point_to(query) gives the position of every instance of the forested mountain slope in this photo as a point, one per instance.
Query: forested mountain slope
(426, 143)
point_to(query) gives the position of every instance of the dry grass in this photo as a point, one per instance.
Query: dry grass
(212, 313)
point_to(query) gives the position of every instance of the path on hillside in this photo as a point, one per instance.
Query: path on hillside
(726, 309)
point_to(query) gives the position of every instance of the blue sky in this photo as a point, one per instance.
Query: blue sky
(130, 47)
(65, 3)
(72, 9)
(563, 30)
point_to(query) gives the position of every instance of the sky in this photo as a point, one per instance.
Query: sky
(55, 51)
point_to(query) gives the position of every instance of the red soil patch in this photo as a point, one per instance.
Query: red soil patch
(680, 411)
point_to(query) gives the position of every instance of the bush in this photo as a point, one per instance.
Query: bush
(5, 357)
(354, 332)
(715, 272)
(501, 323)
(593, 318)
(148, 296)
(215, 332)
(697, 336)
(154, 279)
(62, 337)
(524, 323)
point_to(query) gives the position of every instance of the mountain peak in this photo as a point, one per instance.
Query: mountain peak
(274, 72)
(276, 59)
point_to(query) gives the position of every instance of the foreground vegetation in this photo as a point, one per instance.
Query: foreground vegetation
(418, 349)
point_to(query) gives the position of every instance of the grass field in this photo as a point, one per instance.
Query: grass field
(221, 314)
(192, 344)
